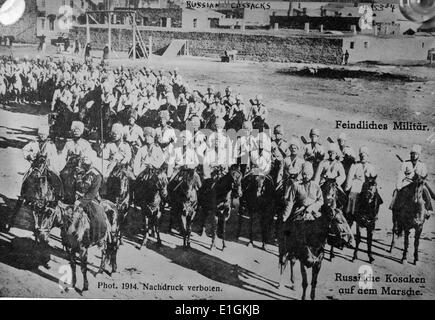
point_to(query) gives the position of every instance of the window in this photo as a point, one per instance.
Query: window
(145, 21)
(195, 23)
(71, 3)
(422, 44)
(366, 44)
(51, 25)
(352, 45)
(82, 4)
(43, 24)
(43, 4)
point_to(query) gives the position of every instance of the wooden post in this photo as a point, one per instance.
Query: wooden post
(133, 16)
(110, 32)
(150, 48)
(88, 30)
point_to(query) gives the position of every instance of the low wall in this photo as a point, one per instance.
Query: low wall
(249, 46)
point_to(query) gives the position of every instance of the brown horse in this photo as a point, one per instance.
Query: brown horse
(330, 189)
(149, 190)
(217, 197)
(117, 190)
(409, 213)
(84, 225)
(259, 195)
(366, 214)
(305, 241)
(183, 199)
(41, 188)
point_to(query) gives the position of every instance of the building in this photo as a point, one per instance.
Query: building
(51, 20)
(388, 49)
(201, 19)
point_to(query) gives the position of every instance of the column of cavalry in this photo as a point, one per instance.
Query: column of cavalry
(119, 138)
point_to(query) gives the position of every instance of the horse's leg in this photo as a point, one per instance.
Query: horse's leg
(251, 229)
(304, 280)
(292, 279)
(188, 229)
(392, 239)
(224, 226)
(315, 273)
(357, 241)
(103, 258)
(171, 216)
(417, 235)
(264, 223)
(157, 220)
(369, 244)
(84, 267)
(145, 229)
(214, 229)
(184, 229)
(72, 261)
(405, 249)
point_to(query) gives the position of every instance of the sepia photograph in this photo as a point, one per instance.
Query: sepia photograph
(217, 150)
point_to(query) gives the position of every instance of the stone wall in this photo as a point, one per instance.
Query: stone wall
(24, 30)
(249, 46)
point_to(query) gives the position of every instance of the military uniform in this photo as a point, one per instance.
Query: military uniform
(302, 201)
(314, 153)
(148, 156)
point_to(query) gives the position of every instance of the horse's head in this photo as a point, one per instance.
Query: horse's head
(369, 189)
(329, 189)
(259, 184)
(161, 182)
(46, 220)
(236, 181)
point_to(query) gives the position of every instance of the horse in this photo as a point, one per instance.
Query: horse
(83, 225)
(366, 214)
(409, 213)
(218, 197)
(305, 240)
(149, 190)
(70, 175)
(117, 190)
(183, 199)
(259, 194)
(41, 188)
(330, 189)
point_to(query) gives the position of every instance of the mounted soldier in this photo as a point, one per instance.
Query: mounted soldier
(293, 162)
(358, 174)
(62, 105)
(332, 169)
(314, 151)
(409, 169)
(244, 145)
(165, 134)
(259, 114)
(238, 114)
(133, 133)
(347, 155)
(117, 152)
(150, 155)
(279, 152)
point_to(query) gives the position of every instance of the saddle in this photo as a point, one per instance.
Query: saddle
(98, 222)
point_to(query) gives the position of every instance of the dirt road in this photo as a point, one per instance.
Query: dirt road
(240, 272)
